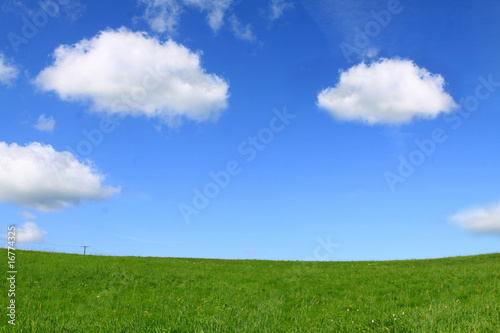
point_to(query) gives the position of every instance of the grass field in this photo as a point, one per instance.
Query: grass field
(74, 293)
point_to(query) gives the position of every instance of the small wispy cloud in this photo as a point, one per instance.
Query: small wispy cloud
(240, 30)
(45, 124)
(16, 7)
(277, 8)
(371, 52)
(70, 9)
(164, 15)
(73, 9)
(216, 10)
(27, 215)
(8, 72)
(481, 219)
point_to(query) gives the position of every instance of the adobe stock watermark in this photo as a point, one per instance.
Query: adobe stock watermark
(363, 37)
(249, 149)
(39, 19)
(12, 273)
(324, 251)
(425, 148)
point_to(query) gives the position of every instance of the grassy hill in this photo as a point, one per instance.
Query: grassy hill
(72, 293)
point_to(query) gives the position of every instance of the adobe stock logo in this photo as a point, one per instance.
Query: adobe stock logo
(323, 252)
(249, 149)
(427, 147)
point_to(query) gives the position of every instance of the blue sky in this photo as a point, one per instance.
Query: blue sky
(289, 130)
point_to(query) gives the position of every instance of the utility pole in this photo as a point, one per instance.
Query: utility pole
(85, 248)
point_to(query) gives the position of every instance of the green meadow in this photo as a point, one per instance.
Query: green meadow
(58, 292)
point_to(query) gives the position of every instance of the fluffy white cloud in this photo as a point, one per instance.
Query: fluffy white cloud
(45, 124)
(386, 91)
(164, 15)
(129, 73)
(7, 71)
(277, 7)
(241, 31)
(36, 176)
(30, 233)
(480, 219)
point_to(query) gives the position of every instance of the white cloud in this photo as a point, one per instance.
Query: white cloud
(73, 9)
(277, 7)
(8, 72)
(371, 52)
(484, 219)
(241, 31)
(16, 6)
(216, 10)
(36, 176)
(164, 15)
(28, 216)
(129, 73)
(45, 124)
(30, 233)
(52, 8)
(386, 91)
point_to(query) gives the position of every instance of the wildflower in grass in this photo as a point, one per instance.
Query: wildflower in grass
(394, 318)
(347, 309)
(373, 321)
(393, 314)
(445, 306)
(403, 313)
